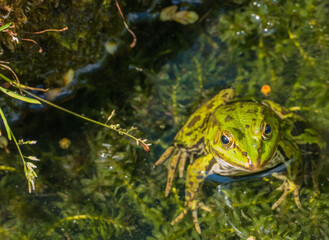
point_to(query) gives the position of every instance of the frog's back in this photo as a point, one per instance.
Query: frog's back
(191, 135)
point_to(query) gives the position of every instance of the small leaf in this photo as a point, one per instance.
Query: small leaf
(111, 115)
(186, 17)
(168, 13)
(5, 27)
(145, 146)
(19, 97)
(33, 158)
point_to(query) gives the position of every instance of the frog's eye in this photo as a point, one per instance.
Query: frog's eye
(266, 131)
(227, 140)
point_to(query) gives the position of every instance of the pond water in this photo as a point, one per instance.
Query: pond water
(104, 186)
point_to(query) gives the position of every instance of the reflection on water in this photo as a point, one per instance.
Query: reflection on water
(224, 179)
(104, 187)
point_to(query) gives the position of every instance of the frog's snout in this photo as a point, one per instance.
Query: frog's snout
(254, 166)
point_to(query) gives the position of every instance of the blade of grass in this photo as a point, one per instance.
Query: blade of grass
(18, 84)
(4, 119)
(19, 97)
(7, 168)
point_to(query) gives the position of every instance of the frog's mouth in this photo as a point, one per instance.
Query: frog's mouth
(222, 167)
(237, 178)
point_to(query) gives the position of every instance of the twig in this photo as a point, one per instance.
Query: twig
(126, 25)
(12, 72)
(48, 30)
(31, 40)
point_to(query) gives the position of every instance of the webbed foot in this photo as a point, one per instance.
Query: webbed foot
(288, 186)
(177, 157)
(193, 206)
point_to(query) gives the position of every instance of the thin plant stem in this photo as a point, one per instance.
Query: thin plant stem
(112, 127)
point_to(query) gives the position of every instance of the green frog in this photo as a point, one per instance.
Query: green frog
(232, 137)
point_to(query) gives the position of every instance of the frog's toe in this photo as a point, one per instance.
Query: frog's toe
(171, 171)
(180, 216)
(296, 197)
(279, 201)
(178, 157)
(204, 207)
(194, 210)
(182, 162)
(165, 155)
(196, 221)
(194, 215)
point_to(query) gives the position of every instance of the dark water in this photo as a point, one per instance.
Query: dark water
(105, 187)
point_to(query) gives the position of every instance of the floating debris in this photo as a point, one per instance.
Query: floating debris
(111, 46)
(186, 17)
(64, 143)
(168, 13)
(4, 144)
(183, 17)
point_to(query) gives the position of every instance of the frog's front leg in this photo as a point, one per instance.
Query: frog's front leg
(196, 174)
(293, 178)
(309, 140)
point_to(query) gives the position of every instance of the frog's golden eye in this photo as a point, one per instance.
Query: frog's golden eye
(227, 140)
(266, 131)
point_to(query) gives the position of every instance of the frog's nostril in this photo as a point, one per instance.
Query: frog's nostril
(251, 165)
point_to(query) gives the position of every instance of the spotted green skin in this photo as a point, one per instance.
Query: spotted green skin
(200, 140)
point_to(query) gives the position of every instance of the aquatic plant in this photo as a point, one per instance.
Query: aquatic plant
(28, 166)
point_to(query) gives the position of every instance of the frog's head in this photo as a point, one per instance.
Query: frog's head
(244, 135)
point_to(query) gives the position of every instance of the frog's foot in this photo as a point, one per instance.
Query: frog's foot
(178, 157)
(193, 206)
(288, 186)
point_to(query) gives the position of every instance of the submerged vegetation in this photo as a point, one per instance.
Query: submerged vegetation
(28, 166)
(103, 187)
